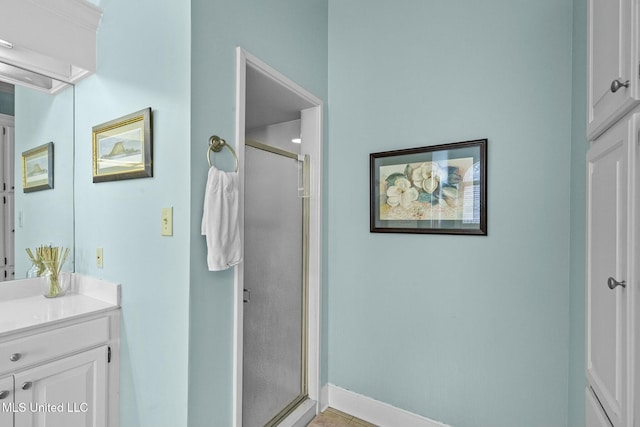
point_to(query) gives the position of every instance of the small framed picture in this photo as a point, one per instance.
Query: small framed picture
(37, 168)
(440, 189)
(123, 148)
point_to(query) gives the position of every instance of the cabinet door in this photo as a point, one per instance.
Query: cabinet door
(70, 392)
(8, 186)
(610, 57)
(9, 159)
(606, 258)
(6, 402)
(595, 415)
(9, 230)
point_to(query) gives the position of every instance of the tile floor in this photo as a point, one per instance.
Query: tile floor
(334, 418)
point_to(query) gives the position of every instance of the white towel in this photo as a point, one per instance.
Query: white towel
(220, 220)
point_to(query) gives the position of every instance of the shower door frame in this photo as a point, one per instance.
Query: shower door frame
(312, 136)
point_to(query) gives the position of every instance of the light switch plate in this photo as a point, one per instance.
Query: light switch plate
(166, 222)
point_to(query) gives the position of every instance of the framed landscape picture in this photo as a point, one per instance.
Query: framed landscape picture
(123, 148)
(439, 189)
(37, 168)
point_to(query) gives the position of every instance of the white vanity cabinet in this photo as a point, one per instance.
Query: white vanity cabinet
(608, 203)
(613, 66)
(613, 214)
(7, 394)
(70, 392)
(62, 375)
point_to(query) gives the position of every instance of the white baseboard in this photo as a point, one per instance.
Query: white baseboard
(323, 403)
(371, 410)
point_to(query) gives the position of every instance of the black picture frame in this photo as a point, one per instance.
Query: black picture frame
(437, 189)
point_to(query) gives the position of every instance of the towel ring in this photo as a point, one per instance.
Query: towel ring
(216, 144)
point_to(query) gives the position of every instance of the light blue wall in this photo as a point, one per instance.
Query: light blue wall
(579, 145)
(143, 61)
(481, 330)
(470, 331)
(291, 36)
(47, 215)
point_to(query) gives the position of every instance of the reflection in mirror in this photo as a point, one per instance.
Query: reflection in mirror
(42, 217)
(15, 74)
(21, 77)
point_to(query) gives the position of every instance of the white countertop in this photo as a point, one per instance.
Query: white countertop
(22, 306)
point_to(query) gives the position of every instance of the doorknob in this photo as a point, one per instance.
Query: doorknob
(15, 357)
(247, 295)
(27, 385)
(617, 84)
(612, 283)
(4, 394)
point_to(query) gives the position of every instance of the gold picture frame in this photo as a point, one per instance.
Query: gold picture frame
(37, 168)
(123, 148)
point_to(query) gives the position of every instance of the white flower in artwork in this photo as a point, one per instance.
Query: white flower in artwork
(401, 193)
(427, 176)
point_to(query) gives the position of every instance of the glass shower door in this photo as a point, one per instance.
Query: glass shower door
(274, 366)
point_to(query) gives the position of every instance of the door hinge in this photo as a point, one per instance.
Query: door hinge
(109, 354)
(5, 260)
(304, 176)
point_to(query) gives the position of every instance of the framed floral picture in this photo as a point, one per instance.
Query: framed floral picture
(439, 189)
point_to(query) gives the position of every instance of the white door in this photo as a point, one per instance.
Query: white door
(7, 228)
(8, 188)
(70, 392)
(6, 402)
(9, 231)
(610, 58)
(266, 97)
(9, 159)
(606, 266)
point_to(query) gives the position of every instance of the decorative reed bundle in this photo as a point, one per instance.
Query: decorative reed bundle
(51, 259)
(37, 260)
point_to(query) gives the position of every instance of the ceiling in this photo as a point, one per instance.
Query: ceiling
(269, 102)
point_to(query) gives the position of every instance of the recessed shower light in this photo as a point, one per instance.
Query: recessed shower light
(6, 44)
(296, 140)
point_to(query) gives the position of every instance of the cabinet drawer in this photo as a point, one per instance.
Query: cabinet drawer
(51, 344)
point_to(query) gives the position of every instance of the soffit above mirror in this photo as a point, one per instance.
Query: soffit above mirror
(55, 38)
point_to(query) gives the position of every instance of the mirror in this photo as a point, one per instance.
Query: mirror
(45, 216)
